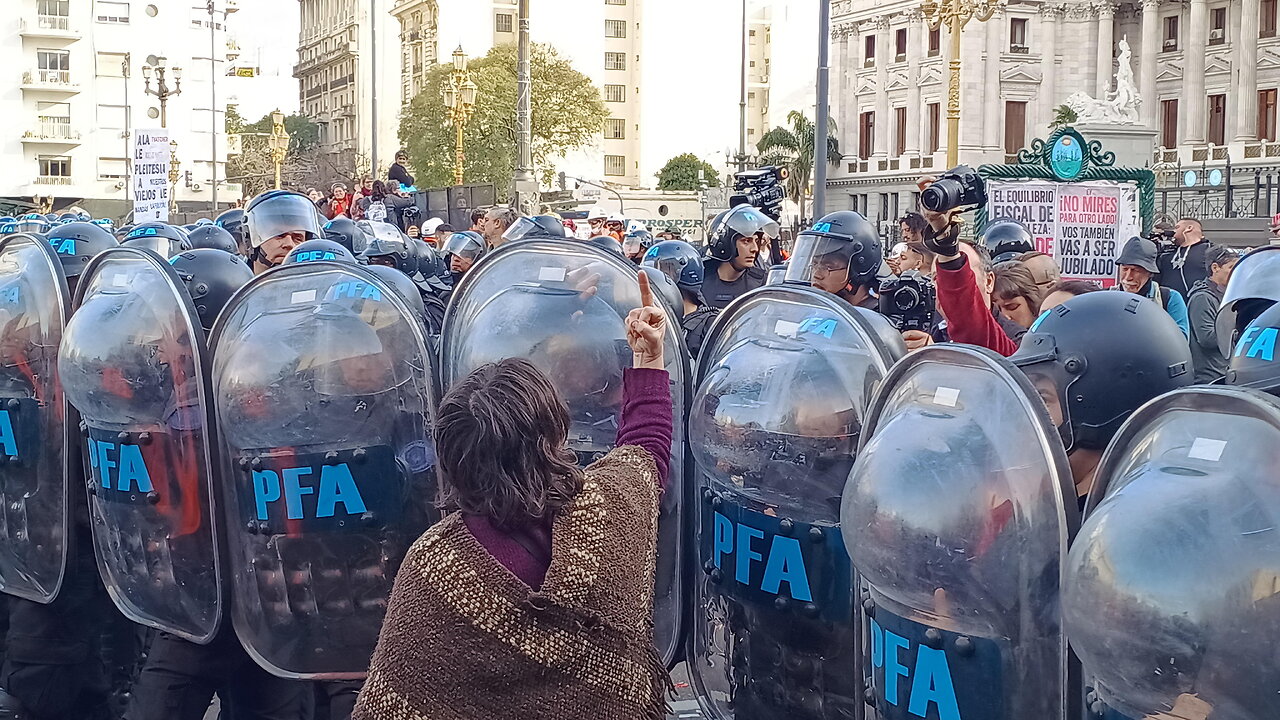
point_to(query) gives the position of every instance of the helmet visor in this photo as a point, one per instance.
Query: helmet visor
(464, 245)
(820, 260)
(283, 214)
(522, 228)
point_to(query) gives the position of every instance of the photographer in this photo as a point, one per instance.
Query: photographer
(964, 274)
(840, 254)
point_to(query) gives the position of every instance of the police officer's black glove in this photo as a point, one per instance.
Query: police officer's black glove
(945, 242)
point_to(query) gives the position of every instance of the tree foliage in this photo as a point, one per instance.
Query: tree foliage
(681, 173)
(793, 148)
(1063, 116)
(568, 114)
(303, 167)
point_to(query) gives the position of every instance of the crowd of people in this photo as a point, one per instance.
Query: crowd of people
(525, 516)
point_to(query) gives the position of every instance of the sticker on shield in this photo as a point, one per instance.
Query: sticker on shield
(357, 490)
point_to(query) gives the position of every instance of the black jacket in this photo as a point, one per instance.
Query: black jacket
(400, 174)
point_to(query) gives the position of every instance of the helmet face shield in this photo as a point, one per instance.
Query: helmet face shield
(821, 261)
(280, 214)
(522, 228)
(467, 245)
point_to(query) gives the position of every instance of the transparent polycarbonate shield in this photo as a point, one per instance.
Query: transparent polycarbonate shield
(34, 455)
(784, 382)
(133, 363)
(561, 305)
(1172, 598)
(322, 393)
(957, 516)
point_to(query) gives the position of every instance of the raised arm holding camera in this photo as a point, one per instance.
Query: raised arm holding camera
(964, 278)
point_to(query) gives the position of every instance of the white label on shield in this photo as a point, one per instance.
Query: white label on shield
(119, 280)
(302, 296)
(551, 274)
(1207, 449)
(946, 396)
(786, 328)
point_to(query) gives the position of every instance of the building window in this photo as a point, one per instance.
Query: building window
(55, 168)
(1267, 19)
(1217, 26)
(112, 13)
(1170, 34)
(110, 65)
(869, 51)
(751, 132)
(1267, 115)
(900, 130)
(751, 33)
(54, 66)
(935, 42)
(1015, 127)
(935, 127)
(866, 134)
(615, 28)
(502, 22)
(615, 129)
(53, 14)
(615, 2)
(900, 45)
(1169, 123)
(615, 165)
(1018, 35)
(615, 93)
(1218, 119)
(615, 61)
(110, 168)
(112, 117)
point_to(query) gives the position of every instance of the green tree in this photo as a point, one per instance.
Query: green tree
(568, 114)
(681, 173)
(253, 168)
(793, 148)
(1063, 116)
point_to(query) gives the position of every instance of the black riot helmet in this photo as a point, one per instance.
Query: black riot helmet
(679, 260)
(77, 243)
(1253, 356)
(392, 246)
(736, 222)
(403, 286)
(466, 243)
(163, 239)
(1100, 356)
(843, 244)
(213, 237)
(637, 242)
(1254, 287)
(606, 243)
(233, 222)
(276, 212)
(1007, 239)
(318, 250)
(344, 231)
(431, 265)
(538, 227)
(211, 276)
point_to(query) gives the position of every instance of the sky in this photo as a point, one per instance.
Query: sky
(267, 31)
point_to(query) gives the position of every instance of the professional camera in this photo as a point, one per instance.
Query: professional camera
(761, 189)
(960, 186)
(1163, 240)
(908, 301)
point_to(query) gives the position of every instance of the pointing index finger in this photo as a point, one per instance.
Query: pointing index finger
(646, 292)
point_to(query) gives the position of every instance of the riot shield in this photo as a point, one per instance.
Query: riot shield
(957, 516)
(133, 363)
(322, 394)
(1172, 599)
(34, 511)
(784, 381)
(561, 305)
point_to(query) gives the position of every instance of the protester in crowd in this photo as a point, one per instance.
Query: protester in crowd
(366, 186)
(913, 227)
(398, 173)
(317, 197)
(1137, 264)
(496, 222)
(374, 208)
(477, 221)
(1016, 293)
(1186, 265)
(1202, 316)
(1064, 290)
(917, 257)
(512, 485)
(1044, 270)
(340, 203)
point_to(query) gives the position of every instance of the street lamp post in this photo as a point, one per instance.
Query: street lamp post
(955, 14)
(460, 99)
(162, 89)
(278, 141)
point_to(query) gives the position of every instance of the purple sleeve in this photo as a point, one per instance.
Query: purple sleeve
(646, 416)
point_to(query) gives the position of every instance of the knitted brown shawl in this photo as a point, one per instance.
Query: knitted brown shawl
(464, 639)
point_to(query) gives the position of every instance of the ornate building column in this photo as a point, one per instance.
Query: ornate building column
(1246, 62)
(917, 40)
(1194, 121)
(996, 29)
(1147, 63)
(844, 98)
(1106, 29)
(884, 123)
(1050, 15)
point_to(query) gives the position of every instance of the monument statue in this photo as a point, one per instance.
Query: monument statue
(1120, 107)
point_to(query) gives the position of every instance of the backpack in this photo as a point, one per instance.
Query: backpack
(376, 212)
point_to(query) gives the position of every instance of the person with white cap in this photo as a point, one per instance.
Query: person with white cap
(595, 218)
(430, 227)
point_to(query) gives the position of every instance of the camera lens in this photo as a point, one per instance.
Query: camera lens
(906, 298)
(942, 195)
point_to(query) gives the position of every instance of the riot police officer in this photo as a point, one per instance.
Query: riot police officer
(462, 249)
(163, 239)
(212, 236)
(682, 262)
(278, 221)
(636, 243)
(211, 277)
(842, 255)
(737, 237)
(233, 222)
(319, 250)
(76, 244)
(538, 227)
(344, 231)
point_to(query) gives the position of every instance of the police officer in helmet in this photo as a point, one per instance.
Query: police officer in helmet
(212, 236)
(76, 244)
(682, 262)
(736, 238)
(842, 255)
(211, 276)
(462, 249)
(233, 222)
(1094, 360)
(278, 221)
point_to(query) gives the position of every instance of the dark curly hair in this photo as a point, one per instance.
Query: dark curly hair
(500, 438)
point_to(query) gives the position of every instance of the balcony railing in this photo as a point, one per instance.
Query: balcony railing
(55, 80)
(53, 180)
(53, 22)
(54, 26)
(53, 128)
